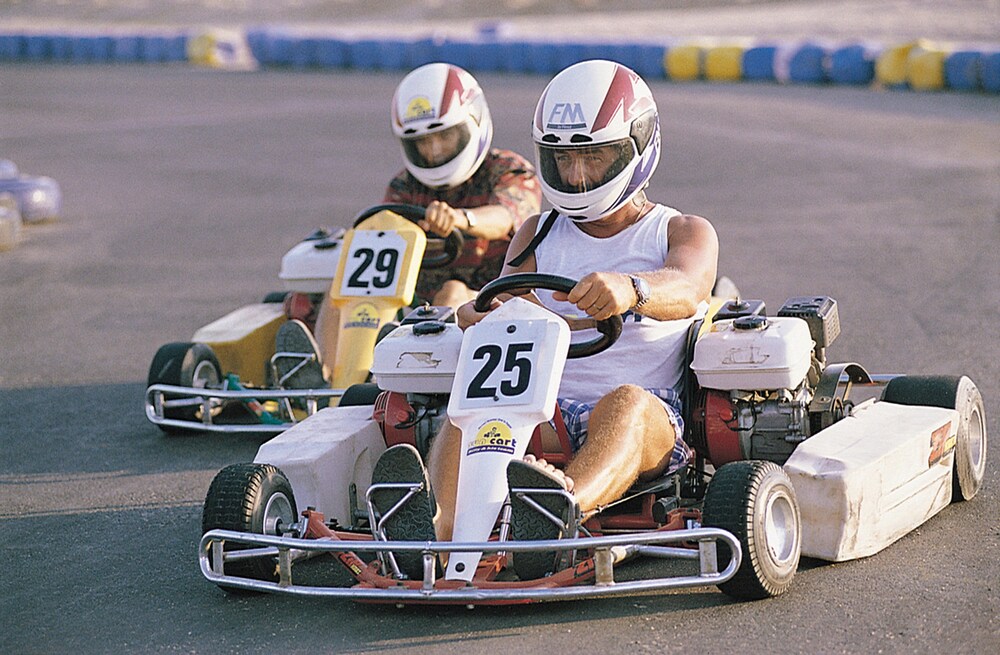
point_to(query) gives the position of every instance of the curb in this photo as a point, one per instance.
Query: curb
(918, 65)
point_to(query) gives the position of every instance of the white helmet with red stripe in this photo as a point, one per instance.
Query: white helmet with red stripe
(440, 115)
(590, 104)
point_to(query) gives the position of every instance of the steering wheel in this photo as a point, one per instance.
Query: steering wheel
(610, 328)
(452, 243)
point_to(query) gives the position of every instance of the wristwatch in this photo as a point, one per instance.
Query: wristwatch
(470, 217)
(642, 291)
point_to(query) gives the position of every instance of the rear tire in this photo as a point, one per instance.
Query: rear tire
(951, 392)
(755, 501)
(184, 365)
(253, 498)
(360, 395)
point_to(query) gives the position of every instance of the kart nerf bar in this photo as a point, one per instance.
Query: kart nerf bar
(209, 399)
(607, 551)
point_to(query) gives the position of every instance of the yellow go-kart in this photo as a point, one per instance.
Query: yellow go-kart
(226, 378)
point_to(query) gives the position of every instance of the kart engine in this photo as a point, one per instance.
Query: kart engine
(757, 376)
(415, 364)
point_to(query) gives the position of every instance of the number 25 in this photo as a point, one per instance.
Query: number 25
(514, 361)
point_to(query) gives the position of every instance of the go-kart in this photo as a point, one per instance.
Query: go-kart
(794, 457)
(226, 379)
(38, 198)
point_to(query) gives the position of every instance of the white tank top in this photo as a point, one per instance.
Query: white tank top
(649, 353)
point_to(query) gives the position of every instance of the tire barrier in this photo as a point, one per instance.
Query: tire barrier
(155, 47)
(917, 65)
(852, 64)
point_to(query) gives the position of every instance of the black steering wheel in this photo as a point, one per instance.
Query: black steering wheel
(452, 243)
(610, 328)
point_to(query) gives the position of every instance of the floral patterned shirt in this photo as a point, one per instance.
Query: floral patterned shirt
(505, 178)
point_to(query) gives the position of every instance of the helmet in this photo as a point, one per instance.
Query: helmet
(596, 108)
(443, 100)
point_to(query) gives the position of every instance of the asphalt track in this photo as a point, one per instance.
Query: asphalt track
(184, 187)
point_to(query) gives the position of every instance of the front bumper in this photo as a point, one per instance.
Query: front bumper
(592, 577)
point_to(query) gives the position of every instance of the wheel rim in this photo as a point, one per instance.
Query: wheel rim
(976, 436)
(204, 375)
(780, 529)
(277, 512)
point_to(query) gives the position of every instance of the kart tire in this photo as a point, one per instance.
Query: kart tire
(184, 365)
(275, 297)
(360, 395)
(253, 498)
(951, 392)
(755, 501)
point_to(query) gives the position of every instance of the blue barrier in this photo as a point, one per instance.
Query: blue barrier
(331, 53)
(989, 71)
(851, 64)
(423, 51)
(644, 59)
(37, 47)
(961, 70)
(11, 46)
(60, 47)
(758, 63)
(541, 58)
(303, 53)
(257, 42)
(459, 53)
(515, 57)
(807, 65)
(125, 49)
(965, 70)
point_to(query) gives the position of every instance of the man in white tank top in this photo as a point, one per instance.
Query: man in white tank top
(597, 136)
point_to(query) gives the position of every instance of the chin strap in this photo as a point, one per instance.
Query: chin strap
(537, 239)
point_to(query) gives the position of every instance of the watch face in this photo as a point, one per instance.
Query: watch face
(641, 287)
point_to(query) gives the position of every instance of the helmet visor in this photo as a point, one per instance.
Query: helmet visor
(578, 169)
(436, 148)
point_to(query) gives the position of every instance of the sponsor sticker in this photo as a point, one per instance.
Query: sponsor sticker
(566, 116)
(493, 436)
(364, 316)
(419, 108)
(941, 444)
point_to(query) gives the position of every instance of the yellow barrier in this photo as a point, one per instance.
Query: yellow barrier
(219, 48)
(890, 67)
(925, 68)
(683, 63)
(724, 63)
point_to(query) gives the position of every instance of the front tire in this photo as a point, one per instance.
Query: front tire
(951, 392)
(252, 498)
(755, 501)
(184, 365)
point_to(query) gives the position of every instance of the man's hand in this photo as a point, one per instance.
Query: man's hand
(601, 295)
(440, 219)
(467, 314)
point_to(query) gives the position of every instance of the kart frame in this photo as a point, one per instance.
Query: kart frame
(591, 577)
(210, 399)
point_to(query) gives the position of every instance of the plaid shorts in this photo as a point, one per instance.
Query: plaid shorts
(576, 416)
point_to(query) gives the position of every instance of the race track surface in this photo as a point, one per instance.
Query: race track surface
(183, 188)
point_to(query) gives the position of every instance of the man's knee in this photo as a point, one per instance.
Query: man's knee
(625, 399)
(453, 293)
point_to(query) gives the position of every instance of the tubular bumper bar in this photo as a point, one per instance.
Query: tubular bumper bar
(565, 585)
(209, 399)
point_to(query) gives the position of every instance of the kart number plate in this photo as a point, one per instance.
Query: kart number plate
(501, 361)
(373, 263)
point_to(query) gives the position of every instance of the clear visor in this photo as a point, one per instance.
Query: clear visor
(578, 169)
(437, 148)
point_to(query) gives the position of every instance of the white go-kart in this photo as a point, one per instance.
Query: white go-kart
(795, 457)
